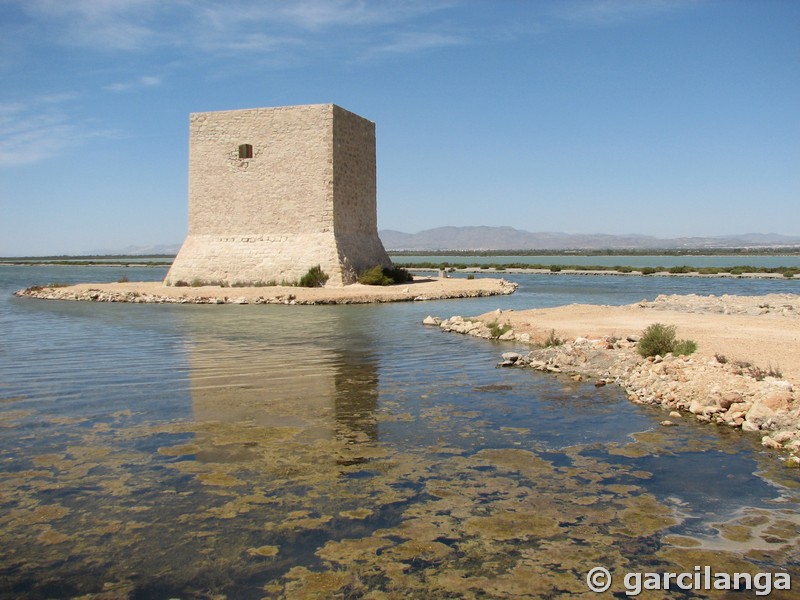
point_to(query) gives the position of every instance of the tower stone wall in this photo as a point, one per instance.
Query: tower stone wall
(276, 191)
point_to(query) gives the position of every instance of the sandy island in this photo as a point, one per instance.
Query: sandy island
(422, 288)
(744, 373)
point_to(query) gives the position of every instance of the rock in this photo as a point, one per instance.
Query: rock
(697, 407)
(675, 414)
(778, 401)
(599, 383)
(507, 336)
(429, 320)
(766, 408)
(728, 399)
(511, 356)
(783, 437)
(668, 424)
(741, 407)
(768, 442)
(781, 384)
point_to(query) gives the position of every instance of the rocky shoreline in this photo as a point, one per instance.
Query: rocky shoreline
(149, 292)
(709, 388)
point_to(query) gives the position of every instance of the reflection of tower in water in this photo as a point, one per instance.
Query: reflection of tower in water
(280, 379)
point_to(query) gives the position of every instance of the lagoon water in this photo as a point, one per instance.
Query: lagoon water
(664, 261)
(161, 451)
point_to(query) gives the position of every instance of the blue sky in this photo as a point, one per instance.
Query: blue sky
(662, 117)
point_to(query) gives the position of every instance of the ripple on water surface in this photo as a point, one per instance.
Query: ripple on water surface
(331, 451)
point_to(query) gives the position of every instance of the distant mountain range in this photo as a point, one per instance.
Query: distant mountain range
(508, 238)
(153, 250)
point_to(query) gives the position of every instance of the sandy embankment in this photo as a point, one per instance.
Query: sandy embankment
(422, 288)
(744, 372)
(763, 330)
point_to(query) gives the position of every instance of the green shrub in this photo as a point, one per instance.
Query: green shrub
(471, 276)
(398, 274)
(659, 339)
(684, 347)
(374, 276)
(379, 275)
(648, 271)
(315, 277)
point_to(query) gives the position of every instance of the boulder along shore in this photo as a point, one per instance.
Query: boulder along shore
(744, 373)
(155, 292)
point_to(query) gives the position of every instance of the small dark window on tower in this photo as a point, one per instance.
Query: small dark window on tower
(245, 151)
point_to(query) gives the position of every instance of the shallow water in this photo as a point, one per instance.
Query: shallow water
(154, 451)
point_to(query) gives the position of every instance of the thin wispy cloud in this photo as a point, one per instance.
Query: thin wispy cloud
(211, 26)
(224, 38)
(102, 24)
(416, 41)
(32, 132)
(611, 12)
(319, 14)
(144, 81)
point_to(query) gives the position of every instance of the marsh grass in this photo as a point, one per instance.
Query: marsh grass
(551, 340)
(497, 329)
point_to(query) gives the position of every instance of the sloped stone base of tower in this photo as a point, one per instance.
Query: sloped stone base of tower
(256, 259)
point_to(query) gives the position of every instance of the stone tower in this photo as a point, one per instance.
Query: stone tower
(276, 191)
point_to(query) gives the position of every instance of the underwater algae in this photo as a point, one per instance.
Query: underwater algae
(308, 504)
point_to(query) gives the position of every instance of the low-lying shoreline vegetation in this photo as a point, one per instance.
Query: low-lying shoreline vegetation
(555, 267)
(765, 251)
(787, 272)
